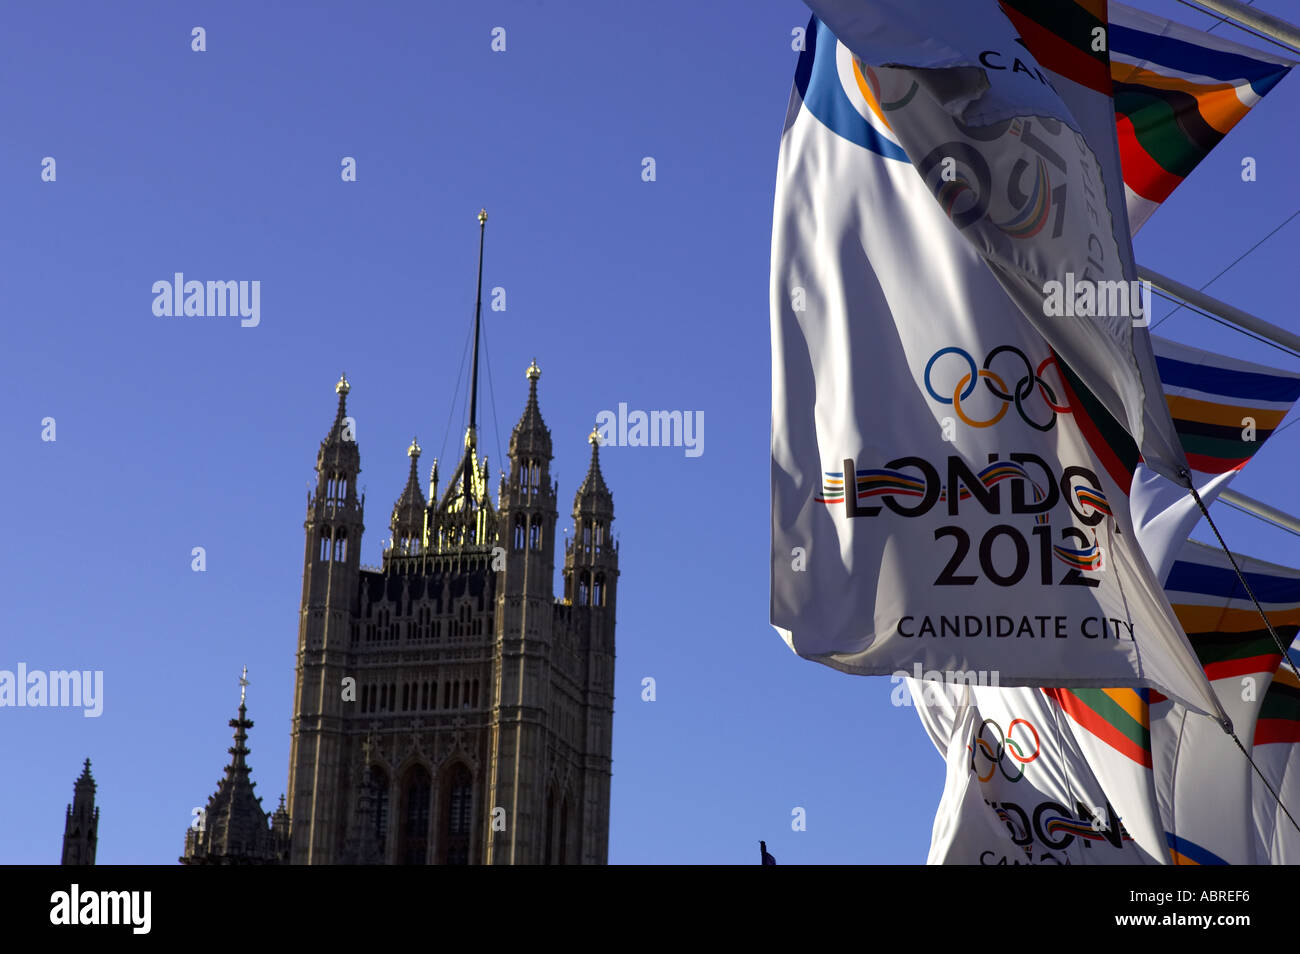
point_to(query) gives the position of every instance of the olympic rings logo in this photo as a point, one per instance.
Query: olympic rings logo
(1030, 378)
(1004, 745)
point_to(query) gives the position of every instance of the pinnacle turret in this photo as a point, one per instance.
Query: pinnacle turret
(531, 437)
(408, 513)
(593, 496)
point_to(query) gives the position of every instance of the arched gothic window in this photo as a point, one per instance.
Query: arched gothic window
(564, 831)
(548, 856)
(379, 789)
(519, 531)
(416, 792)
(457, 816)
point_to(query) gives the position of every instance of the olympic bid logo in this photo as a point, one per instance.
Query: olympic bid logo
(1030, 380)
(1022, 751)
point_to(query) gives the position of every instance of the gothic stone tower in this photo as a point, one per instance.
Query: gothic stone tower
(81, 825)
(448, 708)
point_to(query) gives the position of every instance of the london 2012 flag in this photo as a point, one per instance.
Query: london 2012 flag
(1005, 110)
(945, 491)
(1177, 782)
(1044, 777)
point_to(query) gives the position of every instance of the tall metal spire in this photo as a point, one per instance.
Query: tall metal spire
(471, 435)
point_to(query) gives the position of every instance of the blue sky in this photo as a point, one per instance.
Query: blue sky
(176, 433)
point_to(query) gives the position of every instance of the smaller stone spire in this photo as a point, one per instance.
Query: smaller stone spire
(338, 451)
(593, 489)
(233, 828)
(407, 523)
(81, 824)
(531, 437)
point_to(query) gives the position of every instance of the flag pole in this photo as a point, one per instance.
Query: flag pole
(1262, 510)
(1256, 19)
(1229, 313)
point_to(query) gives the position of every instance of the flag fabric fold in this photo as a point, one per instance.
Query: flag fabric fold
(1277, 753)
(945, 489)
(1007, 117)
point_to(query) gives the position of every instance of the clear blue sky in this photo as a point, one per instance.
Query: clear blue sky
(176, 433)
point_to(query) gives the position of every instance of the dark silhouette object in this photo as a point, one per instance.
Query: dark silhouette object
(767, 859)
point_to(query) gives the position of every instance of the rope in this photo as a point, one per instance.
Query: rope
(1276, 797)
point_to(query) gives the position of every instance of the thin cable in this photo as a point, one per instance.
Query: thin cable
(1278, 430)
(1233, 262)
(1245, 29)
(492, 396)
(1275, 795)
(1286, 658)
(1221, 20)
(1227, 324)
(446, 431)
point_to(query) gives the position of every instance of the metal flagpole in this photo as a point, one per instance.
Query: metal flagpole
(1229, 313)
(1262, 510)
(1265, 23)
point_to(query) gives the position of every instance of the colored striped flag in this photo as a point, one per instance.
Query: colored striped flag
(1223, 409)
(1277, 753)
(1203, 781)
(1178, 92)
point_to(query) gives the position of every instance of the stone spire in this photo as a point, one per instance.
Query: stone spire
(234, 829)
(81, 826)
(531, 437)
(593, 496)
(338, 451)
(591, 557)
(408, 513)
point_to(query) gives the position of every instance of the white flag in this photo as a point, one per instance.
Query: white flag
(1022, 154)
(944, 491)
